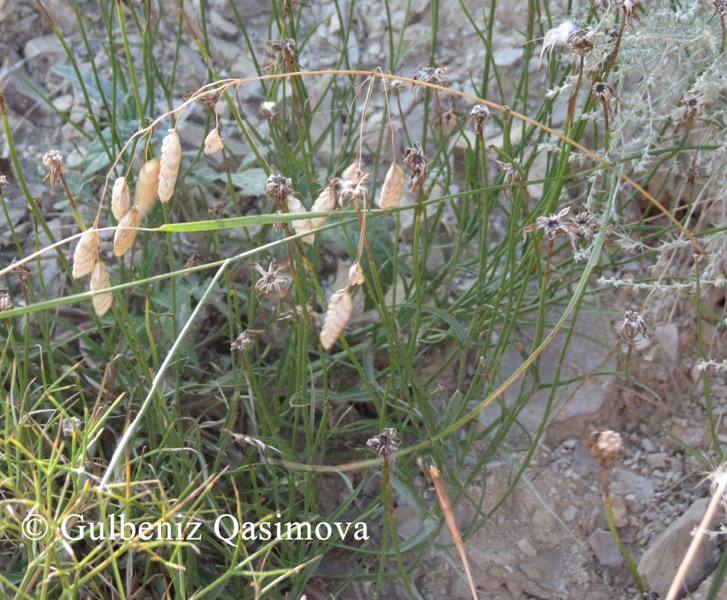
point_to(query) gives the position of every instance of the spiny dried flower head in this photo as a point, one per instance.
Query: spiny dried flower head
(393, 188)
(583, 225)
(245, 440)
(386, 443)
(580, 40)
(278, 188)
(213, 142)
(69, 426)
(605, 446)
(169, 161)
(630, 8)
(428, 74)
(479, 116)
(692, 106)
(101, 280)
(6, 302)
(53, 159)
(551, 225)
(268, 110)
(633, 328)
(354, 188)
(287, 49)
(272, 281)
(417, 163)
(120, 198)
(339, 312)
(558, 36)
(86, 254)
(243, 342)
(511, 169)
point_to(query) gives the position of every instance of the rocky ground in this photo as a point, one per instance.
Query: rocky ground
(550, 539)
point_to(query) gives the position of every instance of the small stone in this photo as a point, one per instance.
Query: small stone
(605, 549)
(508, 57)
(546, 569)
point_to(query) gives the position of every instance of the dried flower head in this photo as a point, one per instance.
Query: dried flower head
(278, 188)
(147, 187)
(126, 233)
(511, 170)
(213, 142)
(354, 188)
(286, 49)
(386, 443)
(428, 74)
(101, 280)
(417, 163)
(6, 302)
(86, 254)
(605, 446)
(720, 8)
(216, 209)
(393, 188)
(355, 275)
(243, 342)
(479, 115)
(692, 106)
(245, 440)
(3, 182)
(194, 260)
(268, 110)
(272, 282)
(558, 36)
(629, 8)
(580, 40)
(296, 207)
(53, 159)
(69, 426)
(207, 98)
(633, 328)
(551, 225)
(339, 312)
(20, 270)
(583, 225)
(120, 198)
(325, 202)
(169, 161)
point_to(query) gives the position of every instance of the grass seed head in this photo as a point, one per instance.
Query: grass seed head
(147, 187)
(213, 142)
(120, 198)
(605, 446)
(393, 188)
(169, 162)
(86, 254)
(6, 302)
(123, 237)
(339, 312)
(101, 280)
(386, 443)
(325, 202)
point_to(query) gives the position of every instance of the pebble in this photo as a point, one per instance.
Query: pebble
(605, 549)
(508, 57)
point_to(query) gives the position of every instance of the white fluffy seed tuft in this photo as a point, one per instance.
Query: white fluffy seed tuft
(124, 238)
(101, 280)
(86, 254)
(169, 161)
(147, 186)
(393, 188)
(120, 198)
(339, 312)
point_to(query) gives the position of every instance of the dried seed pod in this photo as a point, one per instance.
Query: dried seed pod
(213, 142)
(120, 198)
(355, 275)
(351, 170)
(101, 280)
(605, 446)
(86, 254)
(339, 312)
(393, 187)
(124, 238)
(325, 202)
(301, 225)
(147, 186)
(169, 165)
(386, 443)
(6, 302)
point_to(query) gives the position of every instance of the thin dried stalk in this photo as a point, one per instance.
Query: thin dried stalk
(393, 187)
(101, 280)
(169, 161)
(124, 237)
(86, 254)
(147, 186)
(446, 505)
(213, 142)
(339, 312)
(120, 198)
(301, 225)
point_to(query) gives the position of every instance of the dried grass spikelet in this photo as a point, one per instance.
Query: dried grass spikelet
(339, 312)
(124, 238)
(325, 202)
(355, 275)
(393, 187)
(169, 165)
(301, 225)
(147, 187)
(101, 280)
(213, 142)
(120, 198)
(86, 254)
